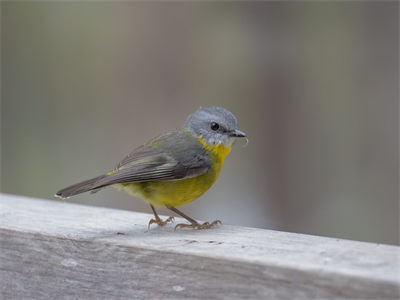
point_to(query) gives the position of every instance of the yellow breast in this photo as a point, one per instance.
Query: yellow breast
(179, 192)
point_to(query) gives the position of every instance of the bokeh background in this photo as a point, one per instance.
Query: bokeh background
(314, 84)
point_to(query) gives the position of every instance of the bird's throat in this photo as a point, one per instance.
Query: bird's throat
(219, 150)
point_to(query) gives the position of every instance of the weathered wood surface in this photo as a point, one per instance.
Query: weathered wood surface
(53, 250)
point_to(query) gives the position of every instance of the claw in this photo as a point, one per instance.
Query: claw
(160, 222)
(205, 225)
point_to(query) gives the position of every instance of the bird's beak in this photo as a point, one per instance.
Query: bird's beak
(237, 133)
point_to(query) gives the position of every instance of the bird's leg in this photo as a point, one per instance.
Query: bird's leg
(193, 223)
(157, 219)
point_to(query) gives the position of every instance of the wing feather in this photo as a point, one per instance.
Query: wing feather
(148, 164)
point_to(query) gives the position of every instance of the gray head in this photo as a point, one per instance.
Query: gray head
(215, 124)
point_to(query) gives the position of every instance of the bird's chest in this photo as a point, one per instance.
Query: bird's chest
(179, 192)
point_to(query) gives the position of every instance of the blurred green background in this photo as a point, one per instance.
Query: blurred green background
(314, 84)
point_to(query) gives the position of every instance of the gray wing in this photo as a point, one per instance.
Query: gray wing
(182, 156)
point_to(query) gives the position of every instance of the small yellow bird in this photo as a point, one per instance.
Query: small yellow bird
(174, 168)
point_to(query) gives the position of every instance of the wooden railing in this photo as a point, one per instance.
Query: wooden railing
(53, 250)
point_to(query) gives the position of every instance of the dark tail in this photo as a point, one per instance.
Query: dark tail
(81, 187)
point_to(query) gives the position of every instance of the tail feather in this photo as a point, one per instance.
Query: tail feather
(81, 187)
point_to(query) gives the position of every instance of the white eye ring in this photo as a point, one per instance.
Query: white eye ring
(214, 126)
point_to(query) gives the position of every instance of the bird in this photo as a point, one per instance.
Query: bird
(174, 168)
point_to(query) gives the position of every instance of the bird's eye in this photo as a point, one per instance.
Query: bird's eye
(214, 126)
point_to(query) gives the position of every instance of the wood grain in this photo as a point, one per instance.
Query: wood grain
(51, 250)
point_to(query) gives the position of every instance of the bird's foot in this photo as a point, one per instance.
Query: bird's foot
(160, 222)
(205, 225)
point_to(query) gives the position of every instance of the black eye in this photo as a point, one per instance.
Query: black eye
(214, 126)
